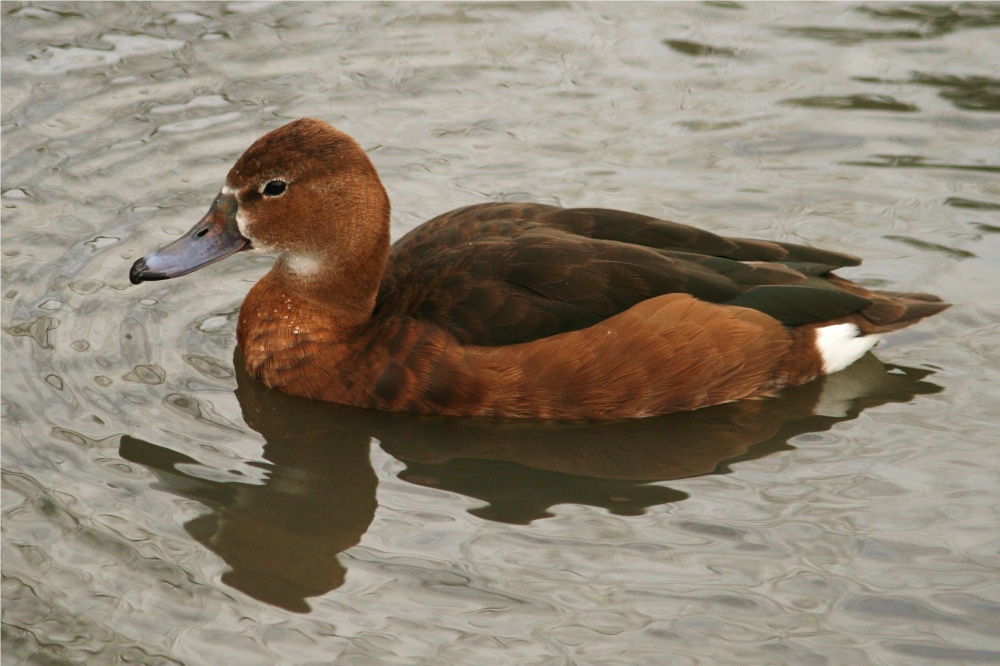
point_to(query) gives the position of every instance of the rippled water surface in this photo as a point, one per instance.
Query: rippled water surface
(159, 508)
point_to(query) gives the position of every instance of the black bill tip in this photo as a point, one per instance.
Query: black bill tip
(142, 273)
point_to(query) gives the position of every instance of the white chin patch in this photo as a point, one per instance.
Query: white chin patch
(840, 345)
(241, 223)
(243, 226)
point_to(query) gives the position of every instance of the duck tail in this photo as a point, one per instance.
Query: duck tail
(893, 310)
(890, 310)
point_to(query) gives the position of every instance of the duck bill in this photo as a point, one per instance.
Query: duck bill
(215, 237)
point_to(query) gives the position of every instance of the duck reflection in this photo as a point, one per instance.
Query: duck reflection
(281, 539)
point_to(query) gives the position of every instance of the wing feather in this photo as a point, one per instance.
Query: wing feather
(497, 274)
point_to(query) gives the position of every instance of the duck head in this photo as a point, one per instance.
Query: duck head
(305, 191)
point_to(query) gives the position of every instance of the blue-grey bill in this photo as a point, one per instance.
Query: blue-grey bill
(215, 237)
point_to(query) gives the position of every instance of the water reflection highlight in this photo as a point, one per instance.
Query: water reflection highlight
(281, 537)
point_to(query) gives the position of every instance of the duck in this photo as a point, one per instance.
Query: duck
(514, 310)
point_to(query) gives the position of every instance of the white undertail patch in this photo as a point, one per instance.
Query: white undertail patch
(842, 344)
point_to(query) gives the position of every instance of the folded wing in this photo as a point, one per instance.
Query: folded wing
(495, 274)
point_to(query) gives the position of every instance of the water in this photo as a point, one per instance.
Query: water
(159, 509)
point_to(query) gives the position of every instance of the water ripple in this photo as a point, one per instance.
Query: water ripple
(159, 509)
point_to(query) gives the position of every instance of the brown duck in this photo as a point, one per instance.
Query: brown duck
(514, 309)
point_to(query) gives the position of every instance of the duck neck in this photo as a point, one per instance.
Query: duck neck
(342, 279)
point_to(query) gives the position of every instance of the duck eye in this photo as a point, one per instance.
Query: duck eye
(274, 188)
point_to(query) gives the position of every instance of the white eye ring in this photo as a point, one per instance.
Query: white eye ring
(274, 187)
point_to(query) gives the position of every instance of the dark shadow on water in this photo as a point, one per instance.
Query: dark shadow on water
(281, 538)
(971, 93)
(698, 49)
(860, 102)
(919, 162)
(913, 21)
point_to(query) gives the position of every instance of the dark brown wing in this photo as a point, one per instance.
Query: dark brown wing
(496, 274)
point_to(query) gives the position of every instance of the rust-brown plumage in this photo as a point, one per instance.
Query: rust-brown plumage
(521, 310)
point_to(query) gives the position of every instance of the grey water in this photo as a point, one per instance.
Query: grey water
(160, 508)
